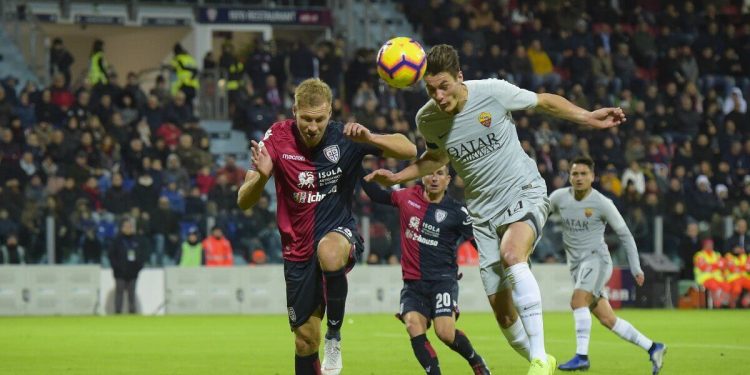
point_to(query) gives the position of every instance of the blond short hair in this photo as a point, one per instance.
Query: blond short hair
(312, 92)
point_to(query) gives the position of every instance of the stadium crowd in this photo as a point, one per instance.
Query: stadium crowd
(88, 153)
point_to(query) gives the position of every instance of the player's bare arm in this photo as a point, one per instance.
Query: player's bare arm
(255, 181)
(428, 163)
(560, 107)
(393, 145)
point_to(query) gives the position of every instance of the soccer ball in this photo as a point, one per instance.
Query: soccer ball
(401, 62)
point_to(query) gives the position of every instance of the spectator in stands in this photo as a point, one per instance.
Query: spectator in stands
(740, 238)
(60, 60)
(165, 225)
(223, 194)
(567, 149)
(154, 113)
(186, 70)
(703, 201)
(178, 110)
(7, 226)
(128, 109)
(127, 257)
(634, 174)
(581, 70)
(644, 44)
(99, 70)
(273, 94)
(521, 68)
(249, 226)
(640, 229)
(624, 65)
(161, 90)
(24, 111)
(735, 103)
(235, 175)
(117, 199)
(191, 252)
(255, 116)
(218, 249)
(330, 66)
(302, 63)
(176, 173)
(11, 252)
(145, 193)
(259, 63)
(175, 196)
(91, 247)
(192, 157)
(541, 66)
(470, 61)
(195, 206)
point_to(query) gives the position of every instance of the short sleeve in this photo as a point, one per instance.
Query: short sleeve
(396, 197)
(554, 199)
(511, 96)
(368, 149)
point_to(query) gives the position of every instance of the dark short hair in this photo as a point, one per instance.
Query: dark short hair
(585, 160)
(443, 58)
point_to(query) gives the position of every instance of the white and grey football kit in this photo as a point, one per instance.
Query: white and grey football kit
(584, 223)
(503, 184)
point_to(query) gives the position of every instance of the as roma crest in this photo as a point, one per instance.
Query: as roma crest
(588, 212)
(485, 118)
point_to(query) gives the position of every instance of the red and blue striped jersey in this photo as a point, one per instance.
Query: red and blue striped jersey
(430, 232)
(314, 186)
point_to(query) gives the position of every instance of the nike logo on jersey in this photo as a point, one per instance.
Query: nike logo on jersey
(443, 135)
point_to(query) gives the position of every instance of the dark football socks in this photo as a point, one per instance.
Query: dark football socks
(425, 354)
(336, 289)
(462, 346)
(308, 365)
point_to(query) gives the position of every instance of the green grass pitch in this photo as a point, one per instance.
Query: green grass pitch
(700, 342)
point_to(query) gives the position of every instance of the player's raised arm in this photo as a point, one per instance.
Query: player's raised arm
(377, 193)
(393, 145)
(615, 220)
(560, 107)
(255, 180)
(428, 163)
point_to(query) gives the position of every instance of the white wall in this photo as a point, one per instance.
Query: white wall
(70, 290)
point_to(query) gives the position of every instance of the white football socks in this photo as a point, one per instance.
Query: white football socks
(627, 332)
(528, 301)
(582, 318)
(517, 338)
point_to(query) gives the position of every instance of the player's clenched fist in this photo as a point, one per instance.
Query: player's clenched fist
(357, 132)
(260, 159)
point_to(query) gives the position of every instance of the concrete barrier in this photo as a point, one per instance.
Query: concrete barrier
(80, 290)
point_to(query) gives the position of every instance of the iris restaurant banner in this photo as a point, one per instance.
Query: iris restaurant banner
(237, 15)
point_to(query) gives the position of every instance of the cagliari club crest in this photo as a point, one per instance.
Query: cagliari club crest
(588, 212)
(332, 153)
(485, 118)
(440, 215)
